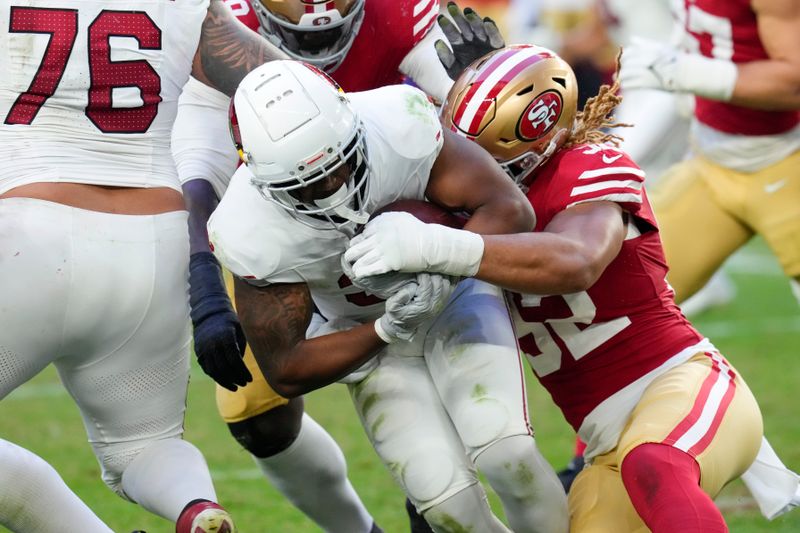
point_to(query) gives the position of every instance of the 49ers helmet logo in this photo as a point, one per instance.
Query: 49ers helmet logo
(540, 116)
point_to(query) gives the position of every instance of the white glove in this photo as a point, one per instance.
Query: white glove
(398, 241)
(648, 64)
(414, 304)
(383, 285)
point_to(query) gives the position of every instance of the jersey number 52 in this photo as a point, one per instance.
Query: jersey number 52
(105, 75)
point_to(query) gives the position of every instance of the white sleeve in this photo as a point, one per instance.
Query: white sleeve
(201, 143)
(422, 65)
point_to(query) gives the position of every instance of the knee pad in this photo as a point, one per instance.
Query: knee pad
(481, 421)
(428, 476)
(269, 433)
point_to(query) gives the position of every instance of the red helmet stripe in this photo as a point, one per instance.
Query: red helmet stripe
(492, 79)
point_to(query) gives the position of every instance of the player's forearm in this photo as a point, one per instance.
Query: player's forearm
(228, 50)
(540, 263)
(769, 85)
(201, 200)
(317, 362)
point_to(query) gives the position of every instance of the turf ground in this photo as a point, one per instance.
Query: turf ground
(759, 333)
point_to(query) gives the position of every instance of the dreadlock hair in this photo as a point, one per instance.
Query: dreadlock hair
(593, 122)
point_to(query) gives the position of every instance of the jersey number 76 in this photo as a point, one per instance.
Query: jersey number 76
(105, 75)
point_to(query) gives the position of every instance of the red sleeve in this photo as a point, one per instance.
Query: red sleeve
(592, 173)
(244, 12)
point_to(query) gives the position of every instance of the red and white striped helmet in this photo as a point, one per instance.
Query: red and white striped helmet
(518, 102)
(319, 32)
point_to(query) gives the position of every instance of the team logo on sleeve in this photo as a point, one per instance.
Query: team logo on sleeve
(540, 116)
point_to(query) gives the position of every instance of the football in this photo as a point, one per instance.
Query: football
(427, 212)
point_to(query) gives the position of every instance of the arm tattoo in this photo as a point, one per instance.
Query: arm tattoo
(274, 318)
(228, 50)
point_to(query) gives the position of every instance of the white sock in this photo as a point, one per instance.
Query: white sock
(529, 490)
(467, 510)
(312, 474)
(34, 498)
(167, 475)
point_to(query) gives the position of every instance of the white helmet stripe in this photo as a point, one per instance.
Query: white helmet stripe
(476, 101)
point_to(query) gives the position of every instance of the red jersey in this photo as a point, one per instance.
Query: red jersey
(390, 29)
(728, 30)
(586, 346)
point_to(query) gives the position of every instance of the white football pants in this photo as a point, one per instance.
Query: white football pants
(104, 298)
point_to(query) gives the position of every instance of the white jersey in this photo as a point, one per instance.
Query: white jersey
(89, 95)
(259, 241)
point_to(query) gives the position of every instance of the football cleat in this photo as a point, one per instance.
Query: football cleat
(203, 516)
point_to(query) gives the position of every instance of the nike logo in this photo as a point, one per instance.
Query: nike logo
(770, 188)
(608, 160)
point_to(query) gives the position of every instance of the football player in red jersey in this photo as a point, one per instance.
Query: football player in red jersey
(95, 280)
(667, 420)
(741, 61)
(363, 44)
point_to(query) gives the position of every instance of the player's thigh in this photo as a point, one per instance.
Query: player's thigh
(697, 228)
(404, 419)
(35, 276)
(128, 366)
(598, 501)
(774, 210)
(472, 356)
(704, 408)
(255, 398)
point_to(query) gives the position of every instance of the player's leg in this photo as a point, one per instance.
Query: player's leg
(34, 498)
(128, 367)
(290, 448)
(696, 205)
(773, 210)
(696, 428)
(598, 502)
(402, 415)
(472, 356)
(36, 265)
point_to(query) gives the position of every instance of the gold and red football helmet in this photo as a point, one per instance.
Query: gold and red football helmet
(519, 103)
(319, 32)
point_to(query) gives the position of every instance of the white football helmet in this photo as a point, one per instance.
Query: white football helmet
(319, 32)
(295, 130)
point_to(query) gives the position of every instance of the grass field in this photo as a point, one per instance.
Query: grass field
(759, 333)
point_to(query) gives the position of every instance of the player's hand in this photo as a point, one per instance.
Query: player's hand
(398, 241)
(649, 64)
(383, 285)
(470, 38)
(413, 305)
(219, 341)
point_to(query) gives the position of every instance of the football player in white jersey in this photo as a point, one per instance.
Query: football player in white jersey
(435, 402)
(93, 221)
(287, 444)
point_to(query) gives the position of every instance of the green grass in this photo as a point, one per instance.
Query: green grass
(759, 333)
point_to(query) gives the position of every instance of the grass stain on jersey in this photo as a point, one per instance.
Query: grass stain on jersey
(417, 105)
(448, 523)
(375, 426)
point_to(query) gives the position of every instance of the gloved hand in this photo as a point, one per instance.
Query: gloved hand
(414, 304)
(648, 64)
(219, 341)
(383, 286)
(470, 38)
(399, 241)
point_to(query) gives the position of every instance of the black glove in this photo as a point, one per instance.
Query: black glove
(219, 341)
(470, 38)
